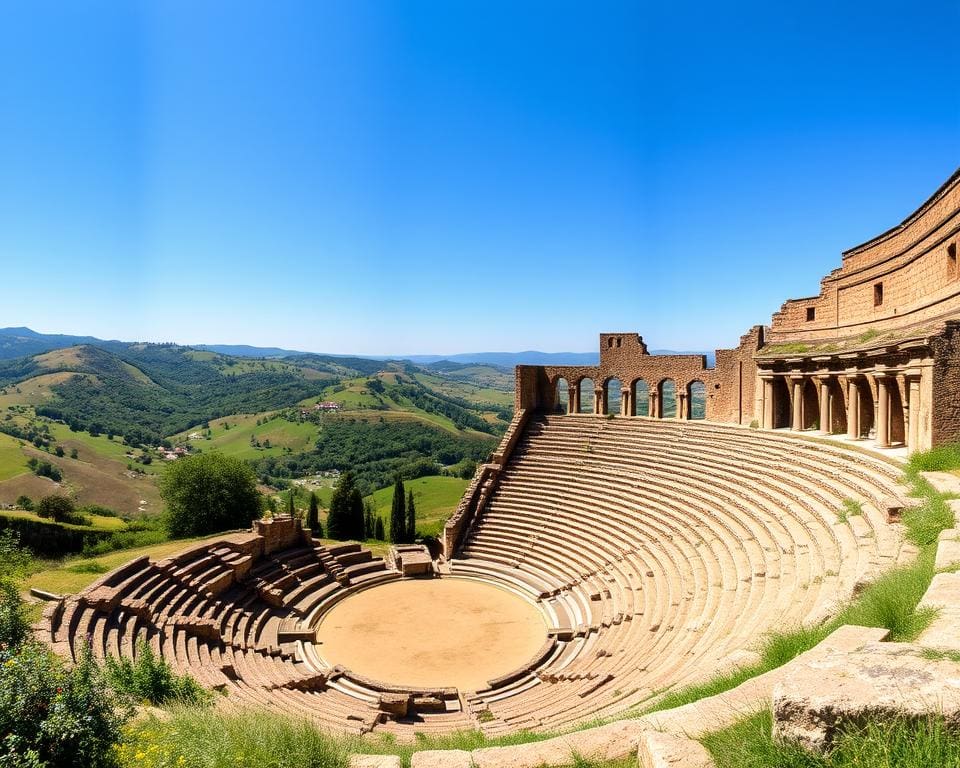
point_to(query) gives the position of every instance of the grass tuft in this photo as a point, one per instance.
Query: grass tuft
(902, 743)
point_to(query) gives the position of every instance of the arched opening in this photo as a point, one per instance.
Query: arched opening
(696, 400)
(865, 405)
(838, 408)
(781, 403)
(640, 396)
(612, 395)
(897, 430)
(810, 406)
(561, 397)
(667, 395)
(586, 396)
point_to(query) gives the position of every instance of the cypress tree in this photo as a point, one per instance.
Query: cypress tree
(290, 510)
(378, 532)
(313, 515)
(411, 518)
(339, 523)
(398, 514)
(368, 524)
(355, 514)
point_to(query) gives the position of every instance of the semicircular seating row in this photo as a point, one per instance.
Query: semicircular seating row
(666, 549)
(659, 551)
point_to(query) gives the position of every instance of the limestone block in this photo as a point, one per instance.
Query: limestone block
(441, 758)
(881, 680)
(395, 704)
(374, 761)
(944, 482)
(943, 595)
(665, 750)
(948, 550)
(614, 741)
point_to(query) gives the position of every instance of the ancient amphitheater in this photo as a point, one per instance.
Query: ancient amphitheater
(598, 560)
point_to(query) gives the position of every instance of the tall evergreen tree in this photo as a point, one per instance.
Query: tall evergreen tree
(378, 533)
(398, 513)
(411, 518)
(368, 523)
(290, 508)
(313, 515)
(340, 524)
(355, 514)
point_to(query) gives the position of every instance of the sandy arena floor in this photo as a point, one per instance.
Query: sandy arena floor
(432, 632)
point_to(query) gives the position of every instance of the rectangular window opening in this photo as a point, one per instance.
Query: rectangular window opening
(878, 294)
(811, 314)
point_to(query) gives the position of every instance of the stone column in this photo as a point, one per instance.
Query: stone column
(626, 402)
(681, 405)
(573, 398)
(599, 401)
(797, 382)
(883, 410)
(913, 400)
(824, 382)
(767, 402)
(653, 411)
(853, 408)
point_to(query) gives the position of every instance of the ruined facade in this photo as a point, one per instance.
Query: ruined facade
(875, 355)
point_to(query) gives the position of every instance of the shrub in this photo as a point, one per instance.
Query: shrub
(61, 509)
(208, 493)
(24, 502)
(149, 678)
(14, 628)
(54, 716)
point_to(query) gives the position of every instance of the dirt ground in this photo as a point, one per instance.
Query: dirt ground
(432, 632)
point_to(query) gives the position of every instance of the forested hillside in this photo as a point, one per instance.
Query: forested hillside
(106, 416)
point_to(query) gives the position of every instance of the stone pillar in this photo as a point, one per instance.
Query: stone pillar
(767, 402)
(883, 410)
(600, 401)
(853, 408)
(654, 412)
(797, 382)
(573, 398)
(913, 400)
(824, 383)
(681, 404)
(626, 402)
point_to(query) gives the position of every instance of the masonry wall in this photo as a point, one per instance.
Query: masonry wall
(914, 263)
(625, 361)
(945, 383)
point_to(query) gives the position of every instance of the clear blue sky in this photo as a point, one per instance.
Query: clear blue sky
(413, 177)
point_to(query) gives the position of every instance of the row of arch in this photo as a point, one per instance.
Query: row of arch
(665, 401)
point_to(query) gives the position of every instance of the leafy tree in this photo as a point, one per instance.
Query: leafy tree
(398, 513)
(60, 508)
(411, 518)
(313, 516)
(73, 453)
(208, 493)
(59, 451)
(378, 533)
(24, 502)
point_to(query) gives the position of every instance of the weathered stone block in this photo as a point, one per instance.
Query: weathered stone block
(375, 761)
(395, 704)
(882, 680)
(665, 750)
(441, 758)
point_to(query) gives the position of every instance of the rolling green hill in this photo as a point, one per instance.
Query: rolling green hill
(108, 405)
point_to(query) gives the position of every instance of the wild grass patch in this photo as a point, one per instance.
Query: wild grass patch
(901, 743)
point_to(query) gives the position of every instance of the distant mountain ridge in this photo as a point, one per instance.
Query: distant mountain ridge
(22, 341)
